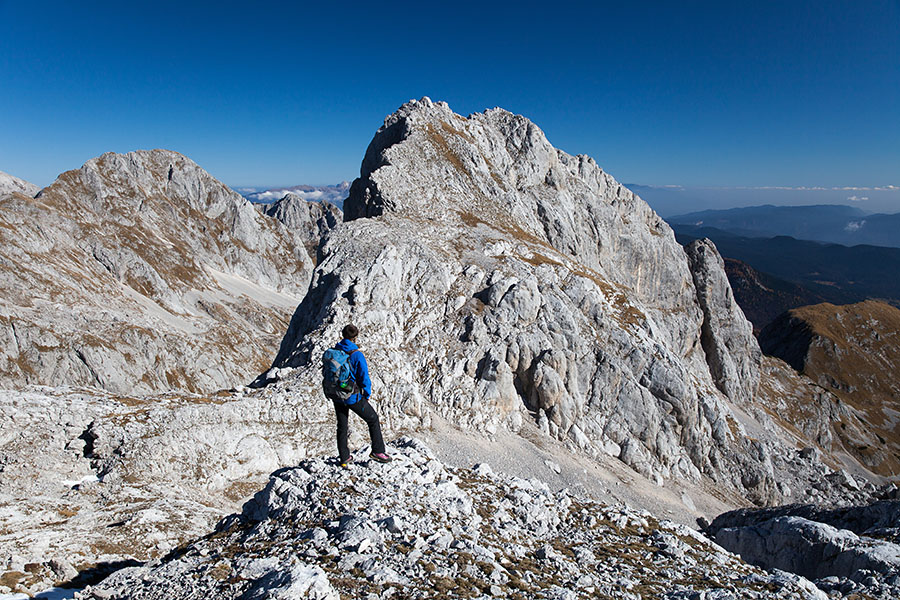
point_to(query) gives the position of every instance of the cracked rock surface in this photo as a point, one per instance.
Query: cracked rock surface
(847, 550)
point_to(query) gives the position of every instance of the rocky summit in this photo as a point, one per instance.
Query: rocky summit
(10, 184)
(142, 273)
(498, 280)
(308, 221)
(415, 528)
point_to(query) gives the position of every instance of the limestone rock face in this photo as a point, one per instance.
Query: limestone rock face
(10, 184)
(727, 336)
(309, 221)
(496, 279)
(141, 272)
(90, 477)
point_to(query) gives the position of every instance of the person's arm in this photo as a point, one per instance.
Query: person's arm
(362, 371)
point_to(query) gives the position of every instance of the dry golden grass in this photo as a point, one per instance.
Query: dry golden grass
(855, 354)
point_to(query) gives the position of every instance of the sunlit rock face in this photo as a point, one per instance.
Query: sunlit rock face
(139, 273)
(10, 184)
(497, 279)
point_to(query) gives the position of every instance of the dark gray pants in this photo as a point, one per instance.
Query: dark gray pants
(368, 414)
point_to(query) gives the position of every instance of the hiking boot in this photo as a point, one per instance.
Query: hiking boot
(380, 457)
(346, 463)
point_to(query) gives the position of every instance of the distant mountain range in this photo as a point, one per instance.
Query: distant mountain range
(837, 224)
(763, 297)
(334, 194)
(787, 272)
(669, 200)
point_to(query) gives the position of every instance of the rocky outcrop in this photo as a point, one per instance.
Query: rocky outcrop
(879, 519)
(308, 221)
(848, 350)
(497, 279)
(727, 336)
(141, 272)
(14, 185)
(851, 549)
(418, 528)
(94, 482)
(98, 481)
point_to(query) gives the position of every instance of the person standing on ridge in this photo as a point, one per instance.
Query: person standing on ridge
(351, 395)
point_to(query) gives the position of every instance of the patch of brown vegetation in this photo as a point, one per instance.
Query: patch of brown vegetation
(853, 352)
(444, 149)
(67, 511)
(241, 490)
(537, 259)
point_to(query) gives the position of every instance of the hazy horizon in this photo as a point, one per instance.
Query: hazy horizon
(671, 200)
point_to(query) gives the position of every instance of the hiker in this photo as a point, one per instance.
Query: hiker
(351, 394)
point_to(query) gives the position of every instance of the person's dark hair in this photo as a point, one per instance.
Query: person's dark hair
(350, 332)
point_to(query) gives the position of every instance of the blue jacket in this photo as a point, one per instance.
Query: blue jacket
(359, 368)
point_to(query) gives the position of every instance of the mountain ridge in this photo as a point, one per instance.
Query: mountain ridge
(136, 272)
(830, 223)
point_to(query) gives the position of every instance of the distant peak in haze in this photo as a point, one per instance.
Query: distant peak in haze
(314, 193)
(833, 223)
(668, 200)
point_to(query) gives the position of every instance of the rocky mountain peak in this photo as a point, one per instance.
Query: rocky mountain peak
(499, 169)
(498, 281)
(10, 184)
(138, 272)
(309, 221)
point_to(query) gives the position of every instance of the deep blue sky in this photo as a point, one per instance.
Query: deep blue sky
(796, 93)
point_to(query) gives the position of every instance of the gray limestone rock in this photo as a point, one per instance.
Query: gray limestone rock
(139, 273)
(818, 551)
(308, 221)
(552, 544)
(731, 350)
(88, 477)
(495, 279)
(849, 548)
(10, 184)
